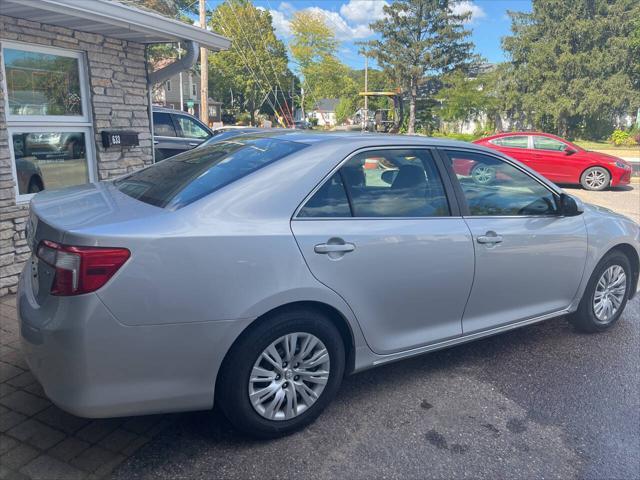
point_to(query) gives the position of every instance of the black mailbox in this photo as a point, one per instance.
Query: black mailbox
(113, 138)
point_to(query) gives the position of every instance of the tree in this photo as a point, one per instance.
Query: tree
(255, 67)
(178, 9)
(420, 38)
(313, 40)
(464, 98)
(314, 48)
(575, 64)
(345, 109)
(169, 8)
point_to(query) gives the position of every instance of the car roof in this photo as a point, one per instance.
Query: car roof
(521, 133)
(374, 139)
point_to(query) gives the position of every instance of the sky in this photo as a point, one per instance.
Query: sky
(350, 20)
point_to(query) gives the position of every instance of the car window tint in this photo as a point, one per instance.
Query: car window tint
(185, 178)
(515, 141)
(190, 128)
(329, 201)
(546, 143)
(163, 125)
(395, 183)
(495, 187)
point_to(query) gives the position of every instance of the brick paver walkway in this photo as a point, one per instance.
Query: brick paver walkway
(40, 441)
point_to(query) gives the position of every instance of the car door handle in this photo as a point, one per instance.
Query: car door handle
(489, 238)
(334, 248)
(194, 144)
(155, 142)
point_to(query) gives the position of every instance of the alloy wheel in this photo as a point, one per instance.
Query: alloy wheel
(483, 174)
(609, 294)
(289, 376)
(595, 179)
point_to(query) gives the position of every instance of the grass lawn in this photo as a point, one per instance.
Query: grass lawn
(608, 147)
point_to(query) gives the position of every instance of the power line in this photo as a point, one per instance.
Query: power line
(258, 64)
(275, 73)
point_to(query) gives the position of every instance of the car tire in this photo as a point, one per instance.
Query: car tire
(587, 318)
(595, 179)
(256, 416)
(35, 185)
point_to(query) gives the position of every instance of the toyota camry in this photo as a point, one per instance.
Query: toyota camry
(255, 272)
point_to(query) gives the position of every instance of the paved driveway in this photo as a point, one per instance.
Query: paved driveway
(542, 401)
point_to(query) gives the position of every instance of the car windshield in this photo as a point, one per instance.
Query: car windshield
(185, 178)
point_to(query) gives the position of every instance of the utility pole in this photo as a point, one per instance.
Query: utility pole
(204, 70)
(365, 126)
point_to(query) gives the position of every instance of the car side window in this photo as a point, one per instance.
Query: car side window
(546, 143)
(163, 125)
(382, 183)
(494, 187)
(329, 201)
(513, 141)
(190, 128)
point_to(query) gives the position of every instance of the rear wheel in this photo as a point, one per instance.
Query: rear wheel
(280, 375)
(595, 178)
(606, 294)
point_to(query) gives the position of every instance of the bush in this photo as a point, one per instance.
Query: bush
(465, 137)
(621, 138)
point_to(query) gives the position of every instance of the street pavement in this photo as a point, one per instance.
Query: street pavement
(539, 402)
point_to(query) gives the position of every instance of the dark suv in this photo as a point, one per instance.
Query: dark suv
(175, 131)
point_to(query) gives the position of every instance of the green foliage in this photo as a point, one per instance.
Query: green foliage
(314, 49)
(574, 65)
(464, 137)
(345, 109)
(464, 98)
(313, 40)
(178, 9)
(621, 138)
(420, 38)
(248, 74)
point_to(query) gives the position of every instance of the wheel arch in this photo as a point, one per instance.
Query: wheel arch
(332, 313)
(37, 179)
(632, 254)
(604, 167)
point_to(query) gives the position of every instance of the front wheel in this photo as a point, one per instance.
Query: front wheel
(595, 178)
(606, 294)
(280, 375)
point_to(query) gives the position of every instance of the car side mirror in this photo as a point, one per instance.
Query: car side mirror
(570, 151)
(569, 206)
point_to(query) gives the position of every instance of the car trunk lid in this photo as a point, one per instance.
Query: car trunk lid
(81, 216)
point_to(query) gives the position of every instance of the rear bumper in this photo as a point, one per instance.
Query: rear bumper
(91, 365)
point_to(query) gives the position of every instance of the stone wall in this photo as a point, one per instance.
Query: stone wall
(118, 86)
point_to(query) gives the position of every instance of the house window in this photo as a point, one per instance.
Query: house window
(168, 85)
(194, 88)
(48, 122)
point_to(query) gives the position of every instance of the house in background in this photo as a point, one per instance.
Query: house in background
(167, 93)
(325, 112)
(75, 101)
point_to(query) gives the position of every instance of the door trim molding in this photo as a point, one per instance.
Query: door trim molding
(392, 357)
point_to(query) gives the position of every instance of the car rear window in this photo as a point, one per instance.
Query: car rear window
(185, 178)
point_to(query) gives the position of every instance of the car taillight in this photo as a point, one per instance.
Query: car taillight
(80, 269)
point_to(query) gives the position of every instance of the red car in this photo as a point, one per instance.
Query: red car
(559, 160)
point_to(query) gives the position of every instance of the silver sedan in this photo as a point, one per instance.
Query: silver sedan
(257, 271)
